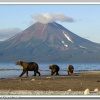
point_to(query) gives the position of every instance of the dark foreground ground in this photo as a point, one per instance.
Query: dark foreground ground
(75, 82)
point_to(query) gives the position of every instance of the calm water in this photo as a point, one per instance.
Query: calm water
(12, 70)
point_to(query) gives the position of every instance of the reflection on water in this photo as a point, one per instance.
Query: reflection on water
(12, 70)
(16, 73)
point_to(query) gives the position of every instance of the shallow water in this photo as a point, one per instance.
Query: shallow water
(11, 70)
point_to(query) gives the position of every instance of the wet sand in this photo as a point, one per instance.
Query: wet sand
(62, 83)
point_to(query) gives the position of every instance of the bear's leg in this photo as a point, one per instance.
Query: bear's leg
(26, 73)
(57, 73)
(38, 73)
(52, 72)
(34, 73)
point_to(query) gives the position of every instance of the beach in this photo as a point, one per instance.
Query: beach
(46, 84)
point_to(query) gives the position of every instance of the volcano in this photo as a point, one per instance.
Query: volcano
(49, 43)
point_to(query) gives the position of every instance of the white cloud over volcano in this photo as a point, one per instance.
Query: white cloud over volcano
(51, 17)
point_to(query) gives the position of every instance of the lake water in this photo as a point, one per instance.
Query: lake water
(11, 70)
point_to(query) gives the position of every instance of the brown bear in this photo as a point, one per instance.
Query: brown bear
(28, 66)
(70, 69)
(54, 69)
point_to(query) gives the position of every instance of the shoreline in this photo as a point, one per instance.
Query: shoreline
(11, 73)
(74, 84)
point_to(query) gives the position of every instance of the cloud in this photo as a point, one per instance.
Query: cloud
(50, 17)
(7, 33)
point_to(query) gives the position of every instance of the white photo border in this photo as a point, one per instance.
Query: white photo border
(72, 97)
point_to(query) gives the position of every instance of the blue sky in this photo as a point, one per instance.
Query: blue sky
(14, 18)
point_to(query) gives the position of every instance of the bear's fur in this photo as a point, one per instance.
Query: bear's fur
(28, 66)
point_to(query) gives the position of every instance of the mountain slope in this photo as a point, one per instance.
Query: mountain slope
(48, 42)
